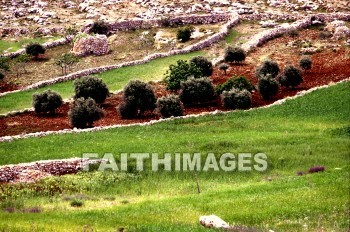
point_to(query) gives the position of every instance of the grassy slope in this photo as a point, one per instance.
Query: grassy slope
(308, 131)
(115, 79)
(15, 45)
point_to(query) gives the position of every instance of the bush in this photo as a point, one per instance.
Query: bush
(138, 97)
(170, 106)
(184, 34)
(99, 27)
(47, 101)
(291, 77)
(91, 86)
(239, 83)
(197, 91)
(76, 203)
(224, 67)
(268, 67)
(305, 63)
(234, 54)
(34, 49)
(293, 33)
(83, 112)
(323, 35)
(267, 86)
(204, 65)
(180, 72)
(236, 99)
(5, 63)
(2, 76)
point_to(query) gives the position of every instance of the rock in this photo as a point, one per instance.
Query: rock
(91, 45)
(268, 23)
(341, 32)
(213, 221)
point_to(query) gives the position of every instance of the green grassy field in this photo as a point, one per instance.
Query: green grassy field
(13, 46)
(115, 79)
(308, 131)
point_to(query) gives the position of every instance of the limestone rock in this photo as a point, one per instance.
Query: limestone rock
(213, 221)
(91, 45)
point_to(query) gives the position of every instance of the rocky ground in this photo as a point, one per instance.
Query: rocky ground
(44, 17)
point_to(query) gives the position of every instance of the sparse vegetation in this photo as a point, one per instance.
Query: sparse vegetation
(19, 64)
(66, 61)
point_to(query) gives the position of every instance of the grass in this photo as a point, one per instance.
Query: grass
(13, 46)
(308, 131)
(115, 79)
(232, 36)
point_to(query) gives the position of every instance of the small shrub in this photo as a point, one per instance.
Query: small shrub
(268, 67)
(293, 33)
(184, 34)
(240, 83)
(305, 63)
(204, 65)
(323, 35)
(267, 86)
(291, 77)
(99, 27)
(180, 72)
(316, 169)
(138, 97)
(83, 112)
(91, 86)
(76, 203)
(224, 67)
(236, 55)
(236, 99)
(5, 63)
(34, 49)
(66, 61)
(47, 101)
(197, 91)
(2, 76)
(127, 110)
(170, 106)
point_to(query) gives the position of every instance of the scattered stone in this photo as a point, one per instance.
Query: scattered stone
(213, 221)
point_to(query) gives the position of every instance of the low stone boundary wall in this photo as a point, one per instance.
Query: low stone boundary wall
(30, 172)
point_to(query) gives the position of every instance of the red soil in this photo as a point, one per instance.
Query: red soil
(5, 87)
(327, 67)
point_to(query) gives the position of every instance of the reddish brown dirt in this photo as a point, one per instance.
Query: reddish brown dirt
(328, 67)
(5, 87)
